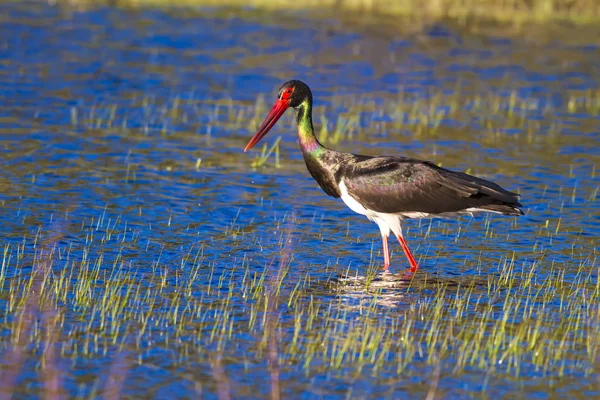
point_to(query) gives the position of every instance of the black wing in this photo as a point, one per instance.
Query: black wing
(398, 184)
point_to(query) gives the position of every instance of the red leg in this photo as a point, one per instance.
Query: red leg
(413, 264)
(386, 253)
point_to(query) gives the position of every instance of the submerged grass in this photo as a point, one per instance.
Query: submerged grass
(491, 117)
(260, 160)
(85, 301)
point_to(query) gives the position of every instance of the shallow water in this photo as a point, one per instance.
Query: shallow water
(122, 153)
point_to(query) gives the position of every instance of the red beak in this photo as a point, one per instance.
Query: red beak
(276, 112)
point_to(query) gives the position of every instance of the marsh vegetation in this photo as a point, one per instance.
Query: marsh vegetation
(144, 254)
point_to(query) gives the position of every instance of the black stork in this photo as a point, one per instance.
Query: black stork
(386, 189)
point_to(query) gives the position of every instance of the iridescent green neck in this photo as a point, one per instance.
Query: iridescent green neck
(306, 133)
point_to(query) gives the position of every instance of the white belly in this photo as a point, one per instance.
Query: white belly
(353, 204)
(386, 222)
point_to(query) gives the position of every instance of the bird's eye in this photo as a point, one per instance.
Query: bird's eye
(286, 93)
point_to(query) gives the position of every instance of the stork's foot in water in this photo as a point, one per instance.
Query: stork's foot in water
(407, 275)
(380, 280)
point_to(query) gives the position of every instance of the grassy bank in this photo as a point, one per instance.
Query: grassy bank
(514, 11)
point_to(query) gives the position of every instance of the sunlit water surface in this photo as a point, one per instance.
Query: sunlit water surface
(121, 148)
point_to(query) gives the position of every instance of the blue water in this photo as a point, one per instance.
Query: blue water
(123, 133)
